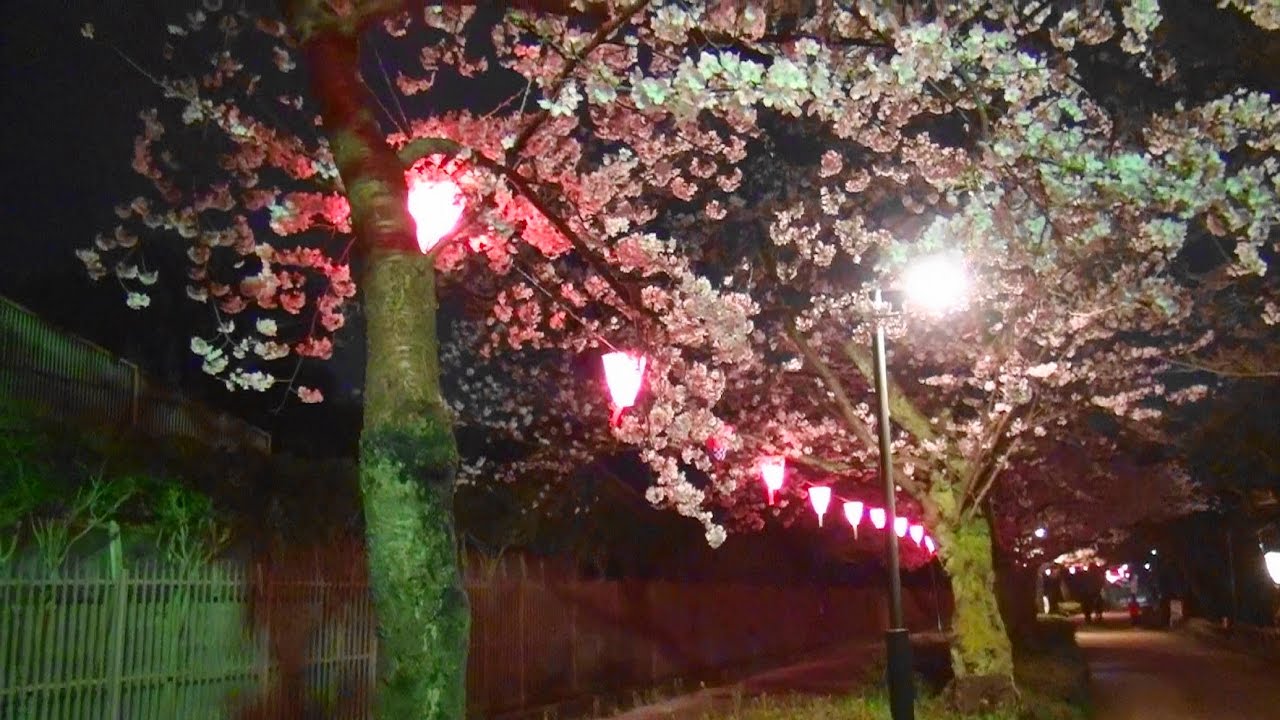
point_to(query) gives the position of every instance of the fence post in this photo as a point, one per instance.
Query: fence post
(521, 590)
(262, 644)
(576, 599)
(115, 667)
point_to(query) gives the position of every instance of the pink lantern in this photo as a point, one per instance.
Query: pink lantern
(900, 526)
(853, 513)
(623, 373)
(820, 497)
(917, 533)
(436, 207)
(772, 469)
(928, 545)
(877, 517)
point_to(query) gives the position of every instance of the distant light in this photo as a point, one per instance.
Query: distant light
(900, 526)
(1041, 532)
(1146, 566)
(928, 545)
(936, 283)
(1272, 559)
(1072, 569)
(436, 207)
(820, 497)
(1118, 575)
(1153, 551)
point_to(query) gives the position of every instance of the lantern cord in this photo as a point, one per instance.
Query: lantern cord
(564, 307)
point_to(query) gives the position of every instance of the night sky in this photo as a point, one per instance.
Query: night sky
(70, 111)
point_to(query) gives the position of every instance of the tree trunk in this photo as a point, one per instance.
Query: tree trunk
(407, 463)
(1016, 597)
(981, 654)
(408, 455)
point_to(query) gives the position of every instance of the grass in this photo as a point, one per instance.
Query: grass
(1049, 667)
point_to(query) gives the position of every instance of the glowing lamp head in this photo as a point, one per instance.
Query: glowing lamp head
(820, 498)
(1040, 533)
(1272, 559)
(436, 207)
(877, 517)
(929, 545)
(936, 283)
(623, 373)
(917, 534)
(772, 470)
(900, 526)
(853, 513)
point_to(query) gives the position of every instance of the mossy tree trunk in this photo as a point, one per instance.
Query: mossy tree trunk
(981, 654)
(408, 455)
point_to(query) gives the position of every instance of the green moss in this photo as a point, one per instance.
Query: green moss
(980, 646)
(422, 147)
(348, 147)
(408, 459)
(407, 475)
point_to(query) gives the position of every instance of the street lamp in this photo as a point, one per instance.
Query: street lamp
(934, 284)
(1272, 559)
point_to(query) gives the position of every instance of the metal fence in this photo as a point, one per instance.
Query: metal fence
(70, 377)
(153, 641)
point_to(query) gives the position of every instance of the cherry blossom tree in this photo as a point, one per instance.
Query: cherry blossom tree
(1086, 490)
(721, 186)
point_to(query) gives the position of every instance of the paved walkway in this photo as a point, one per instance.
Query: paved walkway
(1160, 675)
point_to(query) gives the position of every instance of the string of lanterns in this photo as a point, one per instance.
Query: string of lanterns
(624, 374)
(773, 469)
(437, 205)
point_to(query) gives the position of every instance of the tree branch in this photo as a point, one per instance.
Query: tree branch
(985, 477)
(628, 306)
(900, 407)
(1200, 365)
(847, 410)
(571, 65)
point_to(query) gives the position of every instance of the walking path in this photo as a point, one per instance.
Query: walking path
(1160, 675)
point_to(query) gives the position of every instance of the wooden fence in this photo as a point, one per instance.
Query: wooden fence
(539, 643)
(151, 642)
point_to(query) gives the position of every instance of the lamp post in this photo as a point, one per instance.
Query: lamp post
(897, 638)
(936, 283)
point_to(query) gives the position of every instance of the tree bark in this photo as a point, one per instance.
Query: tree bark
(408, 460)
(408, 455)
(981, 654)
